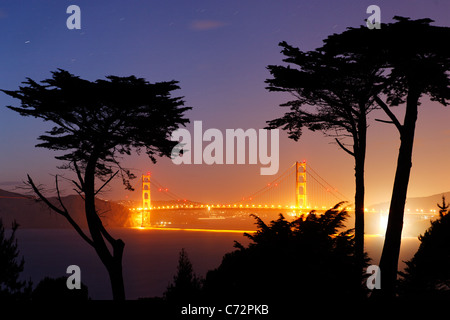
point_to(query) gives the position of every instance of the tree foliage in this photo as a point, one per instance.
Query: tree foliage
(11, 288)
(186, 284)
(103, 119)
(427, 274)
(55, 289)
(443, 208)
(413, 54)
(331, 93)
(304, 259)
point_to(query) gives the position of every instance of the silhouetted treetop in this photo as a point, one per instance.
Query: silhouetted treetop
(186, 285)
(415, 54)
(95, 120)
(11, 288)
(331, 93)
(443, 208)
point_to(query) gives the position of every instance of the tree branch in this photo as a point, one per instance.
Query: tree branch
(344, 148)
(389, 113)
(79, 193)
(384, 121)
(64, 213)
(77, 185)
(59, 195)
(106, 234)
(106, 183)
(80, 178)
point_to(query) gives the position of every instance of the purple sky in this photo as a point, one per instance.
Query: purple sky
(219, 51)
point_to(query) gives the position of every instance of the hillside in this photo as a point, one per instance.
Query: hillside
(31, 214)
(421, 203)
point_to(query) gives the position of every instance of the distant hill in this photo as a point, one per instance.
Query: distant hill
(420, 203)
(31, 214)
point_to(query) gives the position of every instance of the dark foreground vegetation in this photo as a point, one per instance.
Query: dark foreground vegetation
(307, 260)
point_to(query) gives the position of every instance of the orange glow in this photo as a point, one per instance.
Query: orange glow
(202, 230)
(136, 219)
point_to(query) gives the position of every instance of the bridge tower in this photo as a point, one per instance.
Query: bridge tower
(300, 184)
(146, 199)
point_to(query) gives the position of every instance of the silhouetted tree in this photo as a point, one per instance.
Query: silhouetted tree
(94, 124)
(308, 258)
(50, 289)
(334, 95)
(427, 274)
(186, 285)
(416, 61)
(11, 288)
(443, 208)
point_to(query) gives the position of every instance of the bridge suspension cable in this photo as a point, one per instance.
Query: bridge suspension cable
(166, 191)
(298, 186)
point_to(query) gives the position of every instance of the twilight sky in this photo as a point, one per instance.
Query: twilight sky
(218, 51)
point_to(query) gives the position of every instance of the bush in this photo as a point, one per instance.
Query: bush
(309, 258)
(427, 274)
(51, 289)
(10, 268)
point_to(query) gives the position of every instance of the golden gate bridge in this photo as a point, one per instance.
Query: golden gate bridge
(298, 190)
(299, 187)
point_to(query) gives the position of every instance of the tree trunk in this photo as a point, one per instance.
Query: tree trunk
(393, 237)
(115, 272)
(359, 218)
(360, 157)
(112, 262)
